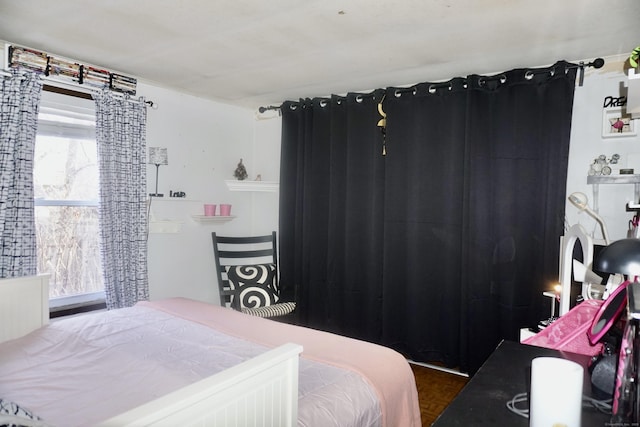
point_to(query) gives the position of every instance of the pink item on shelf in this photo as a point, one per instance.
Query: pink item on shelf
(569, 332)
(210, 210)
(225, 210)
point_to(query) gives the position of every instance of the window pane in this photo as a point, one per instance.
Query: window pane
(66, 190)
(65, 169)
(67, 238)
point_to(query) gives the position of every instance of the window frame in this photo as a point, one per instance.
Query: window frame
(69, 304)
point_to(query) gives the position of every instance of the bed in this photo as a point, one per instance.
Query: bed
(184, 362)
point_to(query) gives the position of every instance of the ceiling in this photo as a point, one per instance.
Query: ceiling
(255, 53)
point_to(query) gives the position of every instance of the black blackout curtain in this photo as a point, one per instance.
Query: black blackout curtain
(443, 246)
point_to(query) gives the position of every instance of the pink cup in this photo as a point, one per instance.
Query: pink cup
(210, 210)
(225, 210)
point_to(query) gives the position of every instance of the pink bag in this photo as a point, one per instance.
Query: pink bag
(569, 332)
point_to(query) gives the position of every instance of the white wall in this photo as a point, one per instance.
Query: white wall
(205, 141)
(587, 143)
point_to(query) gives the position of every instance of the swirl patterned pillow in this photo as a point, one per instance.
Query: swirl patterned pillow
(255, 285)
(13, 415)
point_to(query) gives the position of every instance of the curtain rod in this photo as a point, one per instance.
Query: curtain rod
(269, 107)
(596, 63)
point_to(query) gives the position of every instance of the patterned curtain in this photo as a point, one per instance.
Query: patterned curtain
(19, 100)
(121, 137)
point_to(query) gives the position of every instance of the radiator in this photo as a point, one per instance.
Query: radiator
(24, 305)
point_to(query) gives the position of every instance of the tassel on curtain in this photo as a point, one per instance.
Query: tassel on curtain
(121, 138)
(19, 101)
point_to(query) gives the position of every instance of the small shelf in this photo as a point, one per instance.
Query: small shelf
(170, 199)
(613, 179)
(596, 180)
(267, 186)
(215, 218)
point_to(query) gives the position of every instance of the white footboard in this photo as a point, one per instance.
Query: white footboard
(262, 391)
(24, 305)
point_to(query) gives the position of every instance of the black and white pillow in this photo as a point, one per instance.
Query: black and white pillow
(255, 285)
(14, 415)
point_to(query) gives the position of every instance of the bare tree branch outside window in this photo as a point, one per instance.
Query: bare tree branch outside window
(66, 191)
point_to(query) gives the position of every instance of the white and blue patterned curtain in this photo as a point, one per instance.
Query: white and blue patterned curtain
(19, 100)
(121, 138)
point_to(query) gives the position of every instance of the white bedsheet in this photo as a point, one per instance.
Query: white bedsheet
(82, 370)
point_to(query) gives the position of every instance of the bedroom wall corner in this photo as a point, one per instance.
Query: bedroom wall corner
(587, 143)
(267, 134)
(205, 140)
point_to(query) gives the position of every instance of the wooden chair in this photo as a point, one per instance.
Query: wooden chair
(247, 269)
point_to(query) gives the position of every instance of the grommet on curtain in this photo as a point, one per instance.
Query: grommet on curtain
(530, 74)
(398, 92)
(502, 78)
(433, 88)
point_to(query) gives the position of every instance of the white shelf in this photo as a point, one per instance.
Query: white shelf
(170, 199)
(207, 218)
(596, 180)
(613, 179)
(267, 186)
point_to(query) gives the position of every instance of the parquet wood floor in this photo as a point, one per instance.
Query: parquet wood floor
(435, 390)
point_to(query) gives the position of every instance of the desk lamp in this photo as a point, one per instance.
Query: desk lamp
(623, 257)
(579, 200)
(157, 156)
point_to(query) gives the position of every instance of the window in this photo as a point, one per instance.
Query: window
(66, 199)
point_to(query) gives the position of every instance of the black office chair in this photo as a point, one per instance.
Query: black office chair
(247, 269)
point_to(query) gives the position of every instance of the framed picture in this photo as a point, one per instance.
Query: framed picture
(616, 123)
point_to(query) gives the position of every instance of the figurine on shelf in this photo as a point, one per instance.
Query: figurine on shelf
(240, 172)
(259, 177)
(601, 165)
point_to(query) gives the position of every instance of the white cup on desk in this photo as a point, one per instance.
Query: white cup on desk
(556, 393)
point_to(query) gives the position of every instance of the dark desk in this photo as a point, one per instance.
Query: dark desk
(482, 402)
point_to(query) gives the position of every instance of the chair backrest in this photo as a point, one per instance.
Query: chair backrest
(233, 251)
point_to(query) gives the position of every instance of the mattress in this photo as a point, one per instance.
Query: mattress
(82, 370)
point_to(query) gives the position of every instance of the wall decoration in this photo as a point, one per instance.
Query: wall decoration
(63, 69)
(602, 166)
(58, 68)
(241, 172)
(616, 123)
(28, 58)
(123, 84)
(95, 77)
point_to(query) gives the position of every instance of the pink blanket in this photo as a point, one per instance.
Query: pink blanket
(386, 370)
